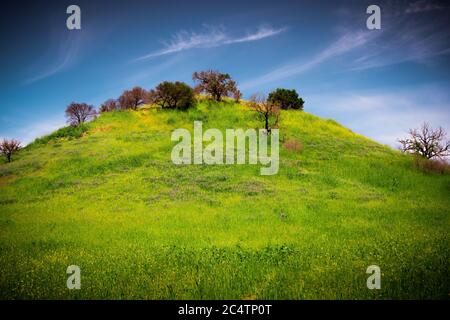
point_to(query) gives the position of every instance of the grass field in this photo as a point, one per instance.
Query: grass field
(108, 199)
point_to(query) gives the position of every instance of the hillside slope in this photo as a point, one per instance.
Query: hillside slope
(113, 203)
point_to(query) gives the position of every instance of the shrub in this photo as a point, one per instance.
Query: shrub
(287, 99)
(293, 145)
(431, 165)
(174, 95)
(69, 132)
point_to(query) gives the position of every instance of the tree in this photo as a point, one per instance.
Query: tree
(288, 99)
(268, 111)
(237, 95)
(175, 95)
(78, 113)
(131, 99)
(426, 142)
(9, 147)
(109, 105)
(214, 83)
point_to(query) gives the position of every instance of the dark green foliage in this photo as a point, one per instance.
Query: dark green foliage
(287, 99)
(173, 95)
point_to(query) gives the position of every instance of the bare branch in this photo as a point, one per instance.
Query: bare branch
(214, 83)
(9, 147)
(78, 113)
(427, 142)
(267, 110)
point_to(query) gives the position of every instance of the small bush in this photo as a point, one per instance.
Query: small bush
(431, 165)
(293, 145)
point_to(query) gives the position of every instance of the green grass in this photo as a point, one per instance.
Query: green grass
(108, 199)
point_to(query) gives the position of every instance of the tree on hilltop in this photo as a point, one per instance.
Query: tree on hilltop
(78, 113)
(267, 110)
(287, 99)
(109, 105)
(426, 142)
(131, 99)
(175, 95)
(237, 95)
(214, 83)
(9, 147)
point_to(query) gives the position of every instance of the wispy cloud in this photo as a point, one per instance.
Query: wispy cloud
(153, 71)
(343, 44)
(66, 55)
(403, 39)
(424, 6)
(212, 37)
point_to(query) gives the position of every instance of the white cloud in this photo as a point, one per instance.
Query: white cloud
(213, 37)
(66, 56)
(386, 116)
(401, 39)
(346, 43)
(151, 72)
(28, 133)
(423, 6)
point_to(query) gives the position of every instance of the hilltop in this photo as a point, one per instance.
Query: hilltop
(107, 197)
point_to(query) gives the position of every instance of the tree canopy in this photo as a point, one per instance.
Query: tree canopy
(287, 99)
(214, 83)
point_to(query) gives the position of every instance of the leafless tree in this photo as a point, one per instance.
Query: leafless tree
(427, 142)
(268, 111)
(109, 105)
(214, 83)
(9, 147)
(237, 95)
(78, 113)
(131, 99)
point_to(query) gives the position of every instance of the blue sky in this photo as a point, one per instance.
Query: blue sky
(376, 82)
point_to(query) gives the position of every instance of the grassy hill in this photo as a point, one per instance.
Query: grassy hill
(108, 199)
